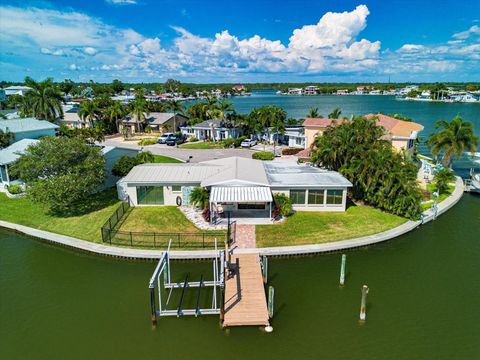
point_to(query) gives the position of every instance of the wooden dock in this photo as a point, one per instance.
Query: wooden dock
(245, 300)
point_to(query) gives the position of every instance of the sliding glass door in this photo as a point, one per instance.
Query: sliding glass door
(150, 195)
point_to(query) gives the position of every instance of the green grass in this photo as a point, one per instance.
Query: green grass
(432, 187)
(87, 226)
(161, 219)
(321, 227)
(204, 145)
(165, 159)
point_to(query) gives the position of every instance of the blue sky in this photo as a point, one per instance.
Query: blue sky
(241, 41)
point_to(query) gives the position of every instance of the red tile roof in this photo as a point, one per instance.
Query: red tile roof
(396, 127)
(321, 122)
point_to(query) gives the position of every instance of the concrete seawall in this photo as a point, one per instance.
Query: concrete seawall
(107, 250)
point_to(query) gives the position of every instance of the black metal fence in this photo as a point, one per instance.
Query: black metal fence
(111, 234)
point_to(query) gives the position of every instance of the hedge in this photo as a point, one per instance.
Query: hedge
(290, 151)
(263, 155)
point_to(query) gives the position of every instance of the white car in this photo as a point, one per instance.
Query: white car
(163, 138)
(248, 143)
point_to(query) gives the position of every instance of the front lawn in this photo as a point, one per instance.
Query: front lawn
(161, 219)
(321, 227)
(165, 159)
(204, 145)
(86, 226)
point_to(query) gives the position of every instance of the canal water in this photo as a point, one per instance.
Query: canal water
(423, 303)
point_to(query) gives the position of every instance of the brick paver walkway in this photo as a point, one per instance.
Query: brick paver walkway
(245, 237)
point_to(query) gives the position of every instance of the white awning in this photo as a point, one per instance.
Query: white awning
(240, 194)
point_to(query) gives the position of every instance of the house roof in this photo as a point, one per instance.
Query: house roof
(291, 174)
(14, 151)
(171, 173)
(235, 172)
(396, 127)
(239, 194)
(71, 115)
(321, 122)
(217, 123)
(26, 124)
(159, 118)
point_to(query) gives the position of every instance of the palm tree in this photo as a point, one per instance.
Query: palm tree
(224, 106)
(277, 127)
(453, 139)
(313, 113)
(144, 157)
(44, 100)
(335, 114)
(175, 106)
(139, 111)
(199, 197)
(114, 113)
(89, 111)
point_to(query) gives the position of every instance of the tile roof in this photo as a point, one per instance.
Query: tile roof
(396, 127)
(321, 122)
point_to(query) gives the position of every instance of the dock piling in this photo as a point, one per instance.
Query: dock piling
(265, 269)
(342, 270)
(363, 305)
(271, 294)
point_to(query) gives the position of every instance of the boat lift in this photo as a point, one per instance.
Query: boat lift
(161, 280)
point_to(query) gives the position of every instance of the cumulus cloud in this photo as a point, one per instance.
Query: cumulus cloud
(78, 42)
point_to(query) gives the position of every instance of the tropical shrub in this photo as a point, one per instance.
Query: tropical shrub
(193, 139)
(238, 141)
(380, 176)
(199, 197)
(228, 143)
(290, 151)
(442, 180)
(5, 138)
(283, 204)
(263, 155)
(61, 173)
(148, 141)
(15, 189)
(123, 165)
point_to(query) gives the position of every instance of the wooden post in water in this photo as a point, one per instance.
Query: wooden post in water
(265, 269)
(363, 305)
(152, 306)
(271, 294)
(342, 270)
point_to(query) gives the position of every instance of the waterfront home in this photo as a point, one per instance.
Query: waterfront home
(112, 154)
(28, 128)
(215, 129)
(158, 121)
(310, 90)
(342, 92)
(402, 134)
(238, 186)
(8, 157)
(293, 136)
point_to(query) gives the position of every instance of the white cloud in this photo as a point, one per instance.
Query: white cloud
(474, 30)
(54, 52)
(411, 48)
(73, 67)
(122, 2)
(89, 50)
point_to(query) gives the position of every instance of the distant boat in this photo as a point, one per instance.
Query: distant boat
(475, 154)
(473, 184)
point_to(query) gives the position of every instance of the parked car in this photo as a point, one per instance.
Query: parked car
(248, 143)
(163, 138)
(174, 139)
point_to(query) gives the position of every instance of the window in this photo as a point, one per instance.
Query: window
(150, 195)
(315, 197)
(411, 143)
(3, 173)
(297, 197)
(334, 197)
(176, 188)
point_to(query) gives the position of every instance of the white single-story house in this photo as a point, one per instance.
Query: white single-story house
(8, 157)
(71, 119)
(213, 129)
(28, 128)
(157, 121)
(14, 151)
(16, 90)
(239, 187)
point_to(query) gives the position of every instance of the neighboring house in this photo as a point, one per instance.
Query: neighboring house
(310, 90)
(112, 154)
(28, 128)
(402, 134)
(71, 119)
(161, 121)
(8, 157)
(9, 114)
(213, 129)
(3, 95)
(16, 90)
(243, 187)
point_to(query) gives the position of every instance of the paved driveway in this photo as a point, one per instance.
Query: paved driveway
(198, 155)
